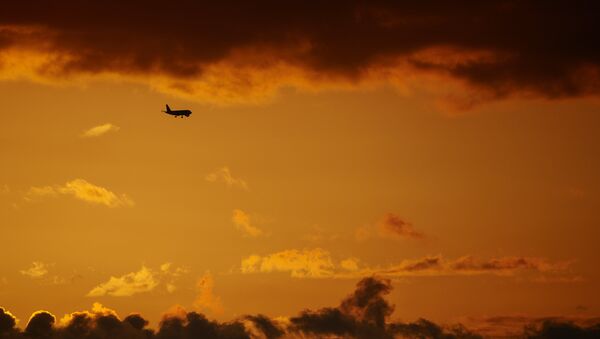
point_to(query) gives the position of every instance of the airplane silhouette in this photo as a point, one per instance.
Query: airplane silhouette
(178, 113)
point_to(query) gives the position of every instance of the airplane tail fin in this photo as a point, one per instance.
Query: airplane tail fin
(168, 108)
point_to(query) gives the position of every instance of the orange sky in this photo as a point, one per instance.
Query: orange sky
(291, 182)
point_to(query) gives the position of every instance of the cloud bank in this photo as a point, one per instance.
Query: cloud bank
(244, 52)
(364, 314)
(319, 263)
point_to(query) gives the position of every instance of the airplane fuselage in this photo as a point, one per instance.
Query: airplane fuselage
(185, 112)
(177, 113)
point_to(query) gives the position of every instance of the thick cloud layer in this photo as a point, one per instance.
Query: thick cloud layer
(500, 46)
(364, 314)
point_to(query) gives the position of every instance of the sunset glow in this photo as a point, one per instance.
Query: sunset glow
(379, 169)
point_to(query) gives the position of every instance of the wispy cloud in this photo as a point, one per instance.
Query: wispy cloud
(82, 190)
(242, 221)
(38, 269)
(318, 263)
(99, 130)
(141, 281)
(224, 175)
(206, 300)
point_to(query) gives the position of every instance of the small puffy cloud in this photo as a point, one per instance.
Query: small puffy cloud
(127, 285)
(38, 269)
(99, 130)
(205, 297)
(82, 190)
(307, 263)
(242, 221)
(394, 226)
(224, 175)
(141, 281)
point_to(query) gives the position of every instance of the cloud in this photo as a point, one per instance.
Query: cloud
(40, 271)
(390, 226)
(99, 130)
(40, 325)
(7, 322)
(536, 326)
(205, 298)
(318, 263)
(82, 190)
(307, 263)
(37, 270)
(4, 189)
(242, 221)
(364, 313)
(141, 281)
(224, 175)
(394, 226)
(494, 48)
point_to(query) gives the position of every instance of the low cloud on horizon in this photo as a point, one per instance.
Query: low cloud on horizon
(364, 313)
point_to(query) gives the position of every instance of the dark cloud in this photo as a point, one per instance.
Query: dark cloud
(558, 330)
(394, 225)
(7, 322)
(40, 325)
(364, 314)
(499, 46)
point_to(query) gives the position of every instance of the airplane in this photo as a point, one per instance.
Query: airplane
(178, 113)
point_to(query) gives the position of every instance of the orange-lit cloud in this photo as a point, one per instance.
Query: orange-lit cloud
(82, 190)
(493, 49)
(318, 263)
(141, 281)
(38, 269)
(241, 220)
(205, 297)
(99, 130)
(224, 175)
(308, 263)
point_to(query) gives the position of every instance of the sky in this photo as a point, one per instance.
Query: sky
(449, 152)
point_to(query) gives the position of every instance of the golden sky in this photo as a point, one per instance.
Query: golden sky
(458, 165)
